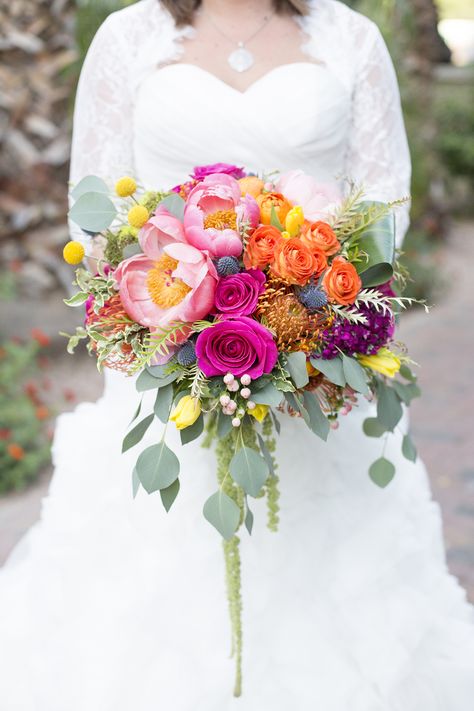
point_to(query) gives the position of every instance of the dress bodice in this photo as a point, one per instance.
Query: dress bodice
(307, 127)
(141, 110)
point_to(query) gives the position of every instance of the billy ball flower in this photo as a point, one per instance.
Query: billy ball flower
(125, 187)
(73, 252)
(138, 216)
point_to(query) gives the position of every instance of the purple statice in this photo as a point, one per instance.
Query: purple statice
(351, 338)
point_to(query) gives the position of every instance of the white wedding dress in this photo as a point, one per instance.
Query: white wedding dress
(109, 603)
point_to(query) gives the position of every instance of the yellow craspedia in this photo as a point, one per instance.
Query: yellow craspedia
(138, 216)
(125, 187)
(73, 252)
(259, 412)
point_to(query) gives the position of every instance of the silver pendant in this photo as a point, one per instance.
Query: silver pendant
(241, 59)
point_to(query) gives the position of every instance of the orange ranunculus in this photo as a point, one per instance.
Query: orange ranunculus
(321, 235)
(341, 282)
(15, 451)
(320, 259)
(260, 248)
(268, 200)
(251, 185)
(294, 261)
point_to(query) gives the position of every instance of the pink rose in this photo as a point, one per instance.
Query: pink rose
(316, 199)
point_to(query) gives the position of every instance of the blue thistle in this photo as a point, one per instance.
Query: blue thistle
(227, 265)
(312, 297)
(186, 354)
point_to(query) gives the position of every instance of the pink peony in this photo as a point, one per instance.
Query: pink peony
(160, 230)
(316, 199)
(248, 212)
(210, 217)
(169, 284)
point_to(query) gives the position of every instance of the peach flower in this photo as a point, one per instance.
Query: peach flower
(320, 234)
(266, 201)
(294, 261)
(260, 248)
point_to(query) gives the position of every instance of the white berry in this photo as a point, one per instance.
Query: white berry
(233, 386)
(224, 400)
(246, 379)
(251, 405)
(229, 378)
(246, 393)
(236, 422)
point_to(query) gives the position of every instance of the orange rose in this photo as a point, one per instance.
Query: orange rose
(251, 186)
(341, 282)
(321, 235)
(260, 248)
(268, 200)
(320, 259)
(294, 262)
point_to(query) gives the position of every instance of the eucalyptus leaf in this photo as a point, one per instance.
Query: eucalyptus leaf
(295, 403)
(249, 470)
(406, 373)
(318, 422)
(89, 184)
(248, 519)
(296, 366)
(224, 425)
(382, 472)
(269, 395)
(163, 402)
(389, 408)
(406, 392)
(332, 369)
(222, 513)
(145, 381)
(162, 378)
(93, 211)
(266, 454)
(355, 375)
(157, 467)
(193, 431)
(135, 482)
(276, 422)
(168, 495)
(137, 433)
(373, 427)
(409, 449)
(137, 411)
(175, 204)
(130, 250)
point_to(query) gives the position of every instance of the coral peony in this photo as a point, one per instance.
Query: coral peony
(210, 217)
(316, 199)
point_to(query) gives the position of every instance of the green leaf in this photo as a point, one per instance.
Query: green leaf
(157, 467)
(145, 381)
(332, 369)
(137, 411)
(77, 300)
(135, 482)
(224, 424)
(163, 402)
(373, 427)
(222, 513)
(389, 408)
(266, 454)
(89, 184)
(276, 422)
(406, 392)
(93, 212)
(249, 470)
(269, 395)
(406, 373)
(382, 472)
(274, 219)
(130, 250)
(355, 375)
(136, 435)
(377, 241)
(296, 366)
(377, 274)
(248, 519)
(161, 376)
(409, 449)
(168, 495)
(318, 422)
(295, 403)
(175, 204)
(193, 431)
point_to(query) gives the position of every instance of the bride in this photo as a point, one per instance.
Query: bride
(109, 603)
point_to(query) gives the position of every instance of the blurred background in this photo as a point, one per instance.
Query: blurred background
(42, 46)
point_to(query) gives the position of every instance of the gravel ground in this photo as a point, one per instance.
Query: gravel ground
(442, 421)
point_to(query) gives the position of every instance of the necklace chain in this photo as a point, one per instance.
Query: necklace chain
(240, 43)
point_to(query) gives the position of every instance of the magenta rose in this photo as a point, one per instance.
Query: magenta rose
(201, 171)
(238, 346)
(237, 294)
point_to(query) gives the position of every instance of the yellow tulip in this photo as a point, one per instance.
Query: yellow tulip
(384, 361)
(294, 220)
(259, 412)
(186, 412)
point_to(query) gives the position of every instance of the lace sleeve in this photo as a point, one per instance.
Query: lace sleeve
(378, 153)
(102, 128)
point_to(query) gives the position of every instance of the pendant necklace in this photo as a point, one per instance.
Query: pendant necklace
(241, 58)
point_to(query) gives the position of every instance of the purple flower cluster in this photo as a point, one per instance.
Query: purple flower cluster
(353, 338)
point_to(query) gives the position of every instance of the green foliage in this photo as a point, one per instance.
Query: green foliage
(456, 136)
(24, 445)
(116, 243)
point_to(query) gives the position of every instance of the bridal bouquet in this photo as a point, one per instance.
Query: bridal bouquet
(243, 300)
